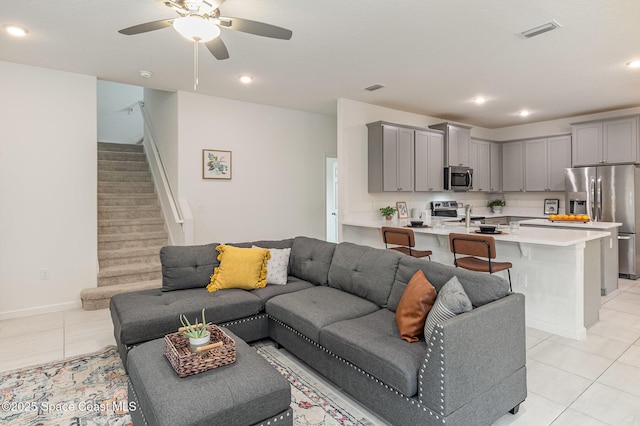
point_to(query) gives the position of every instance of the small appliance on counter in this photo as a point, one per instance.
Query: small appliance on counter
(449, 209)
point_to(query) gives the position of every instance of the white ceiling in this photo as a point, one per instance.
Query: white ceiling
(433, 56)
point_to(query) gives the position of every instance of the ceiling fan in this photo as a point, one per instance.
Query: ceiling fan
(200, 21)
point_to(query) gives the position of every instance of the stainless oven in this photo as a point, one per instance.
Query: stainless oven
(457, 178)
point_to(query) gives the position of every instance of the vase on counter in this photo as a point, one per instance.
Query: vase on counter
(388, 217)
(496, 209)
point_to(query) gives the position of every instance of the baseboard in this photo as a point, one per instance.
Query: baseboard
(20, 313)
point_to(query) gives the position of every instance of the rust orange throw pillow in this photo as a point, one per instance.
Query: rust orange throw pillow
(416, 302)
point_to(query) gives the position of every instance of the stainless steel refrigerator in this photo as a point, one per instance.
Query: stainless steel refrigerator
(609, 194)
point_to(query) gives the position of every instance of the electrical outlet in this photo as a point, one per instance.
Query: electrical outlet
(44, 273)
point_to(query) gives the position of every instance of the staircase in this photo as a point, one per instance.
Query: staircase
(131, 227)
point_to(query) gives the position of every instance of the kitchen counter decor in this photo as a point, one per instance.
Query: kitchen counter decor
(569, 218)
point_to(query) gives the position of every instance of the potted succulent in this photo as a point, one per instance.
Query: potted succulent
(197, 333)
(497, 205)
(388, 212)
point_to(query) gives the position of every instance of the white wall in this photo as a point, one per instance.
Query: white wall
(119, 117)
(48, 188)
(277, 188)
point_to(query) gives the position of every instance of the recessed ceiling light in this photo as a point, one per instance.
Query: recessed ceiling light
(16, 31)
(524, 113)
(480, 100)
(245, 79)
(633, 64)
(146, 74)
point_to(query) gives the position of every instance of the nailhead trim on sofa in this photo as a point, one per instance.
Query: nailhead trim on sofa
(401, 395)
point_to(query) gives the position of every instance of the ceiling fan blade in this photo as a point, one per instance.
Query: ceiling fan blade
(146, 27)
(217, 48)
(255, 27)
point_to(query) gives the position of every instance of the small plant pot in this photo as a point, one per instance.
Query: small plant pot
(195, 343)
(388, 217)
(496, 209)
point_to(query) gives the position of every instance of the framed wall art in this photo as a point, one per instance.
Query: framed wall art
(551, 206)
(216, 164)
(403, 212)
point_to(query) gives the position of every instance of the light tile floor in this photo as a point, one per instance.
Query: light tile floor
(595, 381)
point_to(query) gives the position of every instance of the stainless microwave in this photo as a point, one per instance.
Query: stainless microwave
(458, 178)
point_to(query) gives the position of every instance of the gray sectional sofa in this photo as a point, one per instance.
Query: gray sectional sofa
(337, 314)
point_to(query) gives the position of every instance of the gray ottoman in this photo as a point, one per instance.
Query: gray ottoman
(247, 392)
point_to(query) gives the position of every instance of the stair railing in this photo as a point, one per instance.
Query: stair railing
(180, 229)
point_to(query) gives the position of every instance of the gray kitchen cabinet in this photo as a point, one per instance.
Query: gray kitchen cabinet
(480, 162)
(620, 140)
(495, 175)
(535, 165)
(559, 158)
(391, 154)
(456, 143)
(429, 161)
(512, 166)
(612, 141)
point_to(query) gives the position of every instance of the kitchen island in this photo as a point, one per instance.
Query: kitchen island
(558, 270)
(608, 246)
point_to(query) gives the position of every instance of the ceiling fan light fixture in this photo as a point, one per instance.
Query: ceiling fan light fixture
(196, 28)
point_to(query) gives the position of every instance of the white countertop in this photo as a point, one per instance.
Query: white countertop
(578, 225)
(552, 236)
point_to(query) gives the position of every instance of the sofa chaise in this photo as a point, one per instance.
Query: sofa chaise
(337, 313)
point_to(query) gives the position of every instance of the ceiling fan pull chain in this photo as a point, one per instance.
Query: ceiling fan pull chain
(195, 64)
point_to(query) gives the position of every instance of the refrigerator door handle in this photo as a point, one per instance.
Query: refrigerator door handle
(592, 189)
(599, 198)
(623, 238)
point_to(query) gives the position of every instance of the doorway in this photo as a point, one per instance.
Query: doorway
(331, 185)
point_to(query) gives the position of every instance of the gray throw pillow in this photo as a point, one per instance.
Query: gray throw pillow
(451, 301)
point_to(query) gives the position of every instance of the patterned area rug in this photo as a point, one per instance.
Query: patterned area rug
(92, 390)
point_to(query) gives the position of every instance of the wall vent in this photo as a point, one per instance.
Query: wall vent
(374, 87)
(549, 26)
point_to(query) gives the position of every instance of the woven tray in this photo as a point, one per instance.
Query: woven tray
(185, 363)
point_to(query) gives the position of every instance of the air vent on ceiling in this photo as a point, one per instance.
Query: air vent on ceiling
(374, 87)
(549, 26)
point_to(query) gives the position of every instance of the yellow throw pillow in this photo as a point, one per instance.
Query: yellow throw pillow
(244, 268)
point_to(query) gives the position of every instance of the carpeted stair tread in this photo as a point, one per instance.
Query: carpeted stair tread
(99, 297)
(123, 166)
(143, 207)
(124, 176)
(131, 236)
(129, 252)
(141, 221)
(132, 212)
(120, 147)
(122, 156)
(125, 187)
(140, 268)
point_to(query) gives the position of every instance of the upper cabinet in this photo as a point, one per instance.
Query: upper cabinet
(612, 141)
(559, 158)
(456, 143)
(495, 175)
(536, 164)
(512, 166)
(391, 157)
(544, 162)
(429, 161)
(480, 162)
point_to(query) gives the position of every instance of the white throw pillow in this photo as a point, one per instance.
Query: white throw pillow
(452, 300)
(278, 265)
